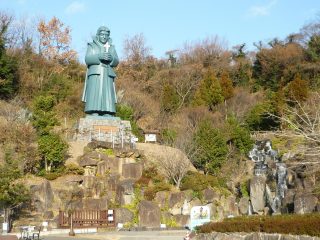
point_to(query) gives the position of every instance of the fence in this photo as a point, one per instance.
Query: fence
(87, 218)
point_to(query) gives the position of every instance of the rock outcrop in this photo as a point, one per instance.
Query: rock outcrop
(149, 214)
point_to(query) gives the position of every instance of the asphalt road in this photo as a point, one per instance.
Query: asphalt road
(123, 235)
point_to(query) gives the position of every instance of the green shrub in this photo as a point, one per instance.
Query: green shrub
(150, 192)
(211, 148)
(108, 151)
(244, 187)
(169, 222)
(198, 182)
(307, 224)
(259, 119)
(52, 175)
(168, 136)
(72, 168)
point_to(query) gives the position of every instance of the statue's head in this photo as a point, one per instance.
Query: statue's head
(103, 34)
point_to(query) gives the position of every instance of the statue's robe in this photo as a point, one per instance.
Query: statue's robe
(99, 92)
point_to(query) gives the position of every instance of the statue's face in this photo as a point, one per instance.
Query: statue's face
(104, 37)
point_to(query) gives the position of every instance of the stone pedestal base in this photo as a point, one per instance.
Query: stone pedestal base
(108, 129)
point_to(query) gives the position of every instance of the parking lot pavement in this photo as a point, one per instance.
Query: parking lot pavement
(123, 235)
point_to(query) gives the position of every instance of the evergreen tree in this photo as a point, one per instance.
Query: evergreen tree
(8, 68)
(239, 135)
(226, 85)
(209, 92)
(169, 99)
(53, 151)
(210, 148)
(298, 89)
(43, 118)
(12, 192)
(313, 51)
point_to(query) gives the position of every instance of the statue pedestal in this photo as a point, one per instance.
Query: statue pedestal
(108, 129)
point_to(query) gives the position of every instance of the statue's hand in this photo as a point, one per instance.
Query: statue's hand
(105, 57)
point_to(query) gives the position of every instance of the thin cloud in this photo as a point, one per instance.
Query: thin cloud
(75, 7)
(261, 10)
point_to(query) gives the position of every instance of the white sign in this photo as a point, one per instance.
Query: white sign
(5, 227)
(150, 137)
(199, 215)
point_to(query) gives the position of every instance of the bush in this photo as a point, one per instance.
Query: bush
(74, 169)
(198, 182)
(307, 224)
(150, 192)
(210, 148)
(50, 175)
(258, 119)
(244, 187)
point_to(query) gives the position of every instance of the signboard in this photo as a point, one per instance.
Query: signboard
(150, 137)
(199, 215)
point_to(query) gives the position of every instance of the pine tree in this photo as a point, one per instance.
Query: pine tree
(8, 68)
(226, 85)
(209, 93)
(298, 89)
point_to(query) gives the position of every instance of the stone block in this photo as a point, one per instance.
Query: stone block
(182, 220)
(257, 193)
(123, 215)
(125, 192)
(244, 205)
(149, 214)
(305, 203)
(176, 199)
(209, 195)
(42, 196)
(132, 170)
(161, 199)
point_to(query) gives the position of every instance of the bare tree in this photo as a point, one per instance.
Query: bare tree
(185, 82)
(135, 49)
(174, 165)
(55, 40)
(211, 51)
(303, 119)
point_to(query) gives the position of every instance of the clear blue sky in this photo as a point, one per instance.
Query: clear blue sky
(168, 24)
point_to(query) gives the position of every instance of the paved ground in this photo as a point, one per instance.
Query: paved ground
(123, 235)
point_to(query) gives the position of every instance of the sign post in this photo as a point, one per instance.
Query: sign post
(199, 215)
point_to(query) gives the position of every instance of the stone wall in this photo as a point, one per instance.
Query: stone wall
(251, 236)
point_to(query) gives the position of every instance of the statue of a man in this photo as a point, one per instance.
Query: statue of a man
(99, 92)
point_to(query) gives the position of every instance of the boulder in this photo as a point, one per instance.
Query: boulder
(244, 205)
(257, 193)
(122, 162)
(107, 166)
(231, 206)
(92, 203)
(132, 170)
(42, 196)
(48, 215)
(113, 181)
(161, 199)
(125, 192)
(209, 195)
(182, 220)
(288, 201)
(89, 181)
(123, 215)
(99, 144)
(305, 203)
(176, 199)
(90, 159)
(149, 214)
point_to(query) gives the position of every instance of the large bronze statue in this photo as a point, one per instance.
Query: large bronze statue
(99, 92)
